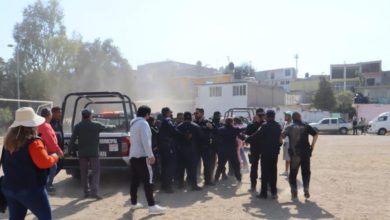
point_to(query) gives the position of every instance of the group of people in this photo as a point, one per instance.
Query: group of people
(176, 147)
(171, 149)
(358, 125)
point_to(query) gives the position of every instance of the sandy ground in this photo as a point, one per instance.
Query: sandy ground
(350, 180)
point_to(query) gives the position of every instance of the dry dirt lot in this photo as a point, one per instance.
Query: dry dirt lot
(350, 180)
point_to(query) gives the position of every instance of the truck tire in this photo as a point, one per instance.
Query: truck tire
(343, 131)
(382, 131)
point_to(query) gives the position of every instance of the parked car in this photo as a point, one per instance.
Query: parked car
(336, 125)
(380, 124)
(114, 110)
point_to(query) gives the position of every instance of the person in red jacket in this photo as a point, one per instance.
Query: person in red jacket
(49, 138)
(25, 162)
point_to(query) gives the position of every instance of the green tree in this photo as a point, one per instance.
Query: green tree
(100, 65)
(324, 98)
(6, 118)
(41, 22)
(344, 102)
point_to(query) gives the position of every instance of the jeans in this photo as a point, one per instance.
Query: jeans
(296, 162)
(35, 200)
(52, 174)
(90, 185)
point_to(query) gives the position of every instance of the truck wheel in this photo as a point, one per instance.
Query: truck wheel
(343, 131)
(382, 131)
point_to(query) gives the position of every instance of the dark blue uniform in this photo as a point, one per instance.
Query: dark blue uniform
(166, 139)
(205, 149)
(227, 150)
(254, 156)
(269, 135)
(187, 151)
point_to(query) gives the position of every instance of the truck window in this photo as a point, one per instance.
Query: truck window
(114, 122)
(326, 121)
(341, 120)
(382, 118)
(334, 121)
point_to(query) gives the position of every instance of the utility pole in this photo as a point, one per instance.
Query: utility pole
(345, 76)
(17, 72)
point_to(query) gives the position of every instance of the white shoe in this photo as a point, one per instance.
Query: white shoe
(136, 206)
(156, 209)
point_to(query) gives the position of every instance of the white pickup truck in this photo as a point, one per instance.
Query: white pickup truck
(337, 125)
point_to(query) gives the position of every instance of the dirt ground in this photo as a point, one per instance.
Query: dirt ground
(350, 180)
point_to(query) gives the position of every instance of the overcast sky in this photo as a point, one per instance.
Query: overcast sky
(266, 34)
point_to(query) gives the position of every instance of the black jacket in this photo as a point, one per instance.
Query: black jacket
(226, 140)
(206, 132)
(167, 133)
(188, 140)
(268, 136)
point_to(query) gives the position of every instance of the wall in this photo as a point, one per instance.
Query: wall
(220, 103)
(262, 95)
(370, 111)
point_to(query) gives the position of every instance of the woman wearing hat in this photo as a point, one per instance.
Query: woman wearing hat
(25, 164)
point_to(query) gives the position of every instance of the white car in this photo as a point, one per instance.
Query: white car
(380, 124)
(337, 125)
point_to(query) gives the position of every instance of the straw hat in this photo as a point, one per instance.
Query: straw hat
(26, 117)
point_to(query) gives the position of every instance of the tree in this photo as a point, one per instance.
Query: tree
(324, 98)
(101, 65)
(33, 35)
(344, 103)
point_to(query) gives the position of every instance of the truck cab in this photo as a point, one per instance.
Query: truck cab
(112, 109)
(380, 124)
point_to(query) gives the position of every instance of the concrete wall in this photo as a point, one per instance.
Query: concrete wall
(265, 95)
(219, 103)
(370, 111)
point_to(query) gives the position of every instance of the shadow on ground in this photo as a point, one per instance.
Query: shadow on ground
(272, 209)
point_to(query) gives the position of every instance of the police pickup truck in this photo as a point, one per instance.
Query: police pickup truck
(112, 109)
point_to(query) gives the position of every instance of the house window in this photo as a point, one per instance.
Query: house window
(287, 72)
(239, 90)
(215, 91)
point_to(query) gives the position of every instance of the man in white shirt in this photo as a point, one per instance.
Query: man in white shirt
(141, 159)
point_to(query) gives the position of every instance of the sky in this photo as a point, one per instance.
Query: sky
(266, 34)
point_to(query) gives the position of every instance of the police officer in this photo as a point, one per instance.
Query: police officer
(204, 145)
(270, 135)
(216, 122)
(300, 152)
(254, 155)
(227, 149)
(166, 139)
(187, 151)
